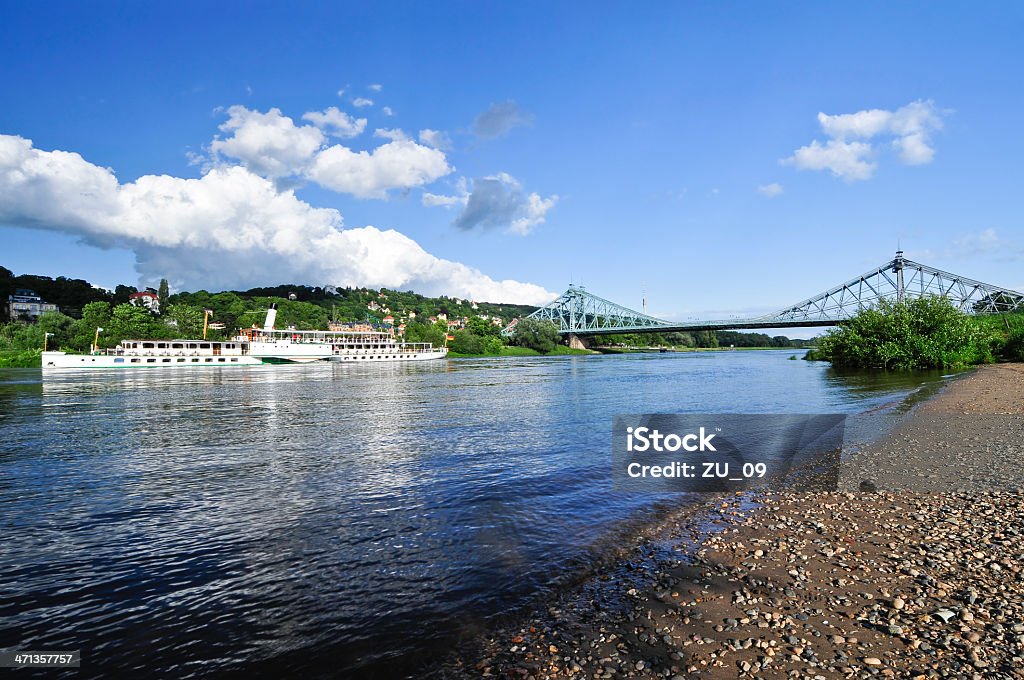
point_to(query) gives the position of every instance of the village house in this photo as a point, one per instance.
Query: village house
(147, 299)
(25, 305)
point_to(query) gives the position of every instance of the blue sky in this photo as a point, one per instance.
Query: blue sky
(673, 148)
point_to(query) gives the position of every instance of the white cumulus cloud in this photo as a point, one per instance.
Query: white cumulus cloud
(230, 228)
(399, 164)
(336, 123)
(909, 129)
(360, 102)
(269, 144)
(849, 160)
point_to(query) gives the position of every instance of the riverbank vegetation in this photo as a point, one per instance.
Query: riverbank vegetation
(921, 333)
(474, 326)
(702, 340)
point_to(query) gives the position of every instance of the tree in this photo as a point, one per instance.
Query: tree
(187, 320)
(163, 293)
(122, 293)
(131, 322)
(467, 342)
(94, 315)
(536, 334)
(482, 327)
(62, 326)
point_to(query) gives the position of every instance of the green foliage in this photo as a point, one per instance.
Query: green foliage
(129, 322)
(536, 334)
(421, 332)
(20, 336)
(21, 358)
(164, 292)
(62, 326)
(493, 345)
(466, 342)
(926, 332)
(187, 320)
(1013, 349)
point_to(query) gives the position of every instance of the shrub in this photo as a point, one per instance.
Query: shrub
(926, 332)
(536, 334)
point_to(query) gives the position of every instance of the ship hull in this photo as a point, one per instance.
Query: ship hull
(62, 360)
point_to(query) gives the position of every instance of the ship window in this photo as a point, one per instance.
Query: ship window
(135, 361)
(208, 359)
(181, 361)
(221, 360)
(194, 361)
(162, 345)
(147, 345)
(204, 345)
(150, 361)
(177, 345)
(234, 359)
(167, 361)
(119, 360)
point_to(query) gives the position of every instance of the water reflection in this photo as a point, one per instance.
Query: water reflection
(190, 522)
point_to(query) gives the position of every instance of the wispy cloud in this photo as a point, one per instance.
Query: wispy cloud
(770, 190)
(336, 122)
(986, 243)
(499, 119)
(495, 202)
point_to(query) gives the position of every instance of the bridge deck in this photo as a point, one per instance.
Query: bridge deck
(740, 324)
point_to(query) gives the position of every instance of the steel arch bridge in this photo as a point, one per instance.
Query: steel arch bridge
(577, 312)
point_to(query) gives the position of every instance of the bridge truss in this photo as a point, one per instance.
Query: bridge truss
(582, 313)
(577, 312)
(899, 279)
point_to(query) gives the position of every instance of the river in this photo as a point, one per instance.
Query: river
(334, 520)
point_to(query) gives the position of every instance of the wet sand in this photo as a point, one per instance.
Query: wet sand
(924, 582)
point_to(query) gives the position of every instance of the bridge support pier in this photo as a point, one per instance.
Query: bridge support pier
(576, 342)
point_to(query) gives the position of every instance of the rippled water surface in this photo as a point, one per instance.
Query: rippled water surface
(331, 519)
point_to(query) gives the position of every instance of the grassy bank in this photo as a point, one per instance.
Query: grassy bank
(511, 351)
(20, 358)
(656, 350)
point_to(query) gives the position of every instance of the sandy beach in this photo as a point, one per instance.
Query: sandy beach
(919, 576)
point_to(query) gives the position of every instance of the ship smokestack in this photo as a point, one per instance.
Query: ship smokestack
(268, 325)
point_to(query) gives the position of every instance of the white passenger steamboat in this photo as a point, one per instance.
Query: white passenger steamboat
(354, 343)
(253, 346)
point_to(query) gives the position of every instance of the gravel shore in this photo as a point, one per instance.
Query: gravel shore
(891, 583)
